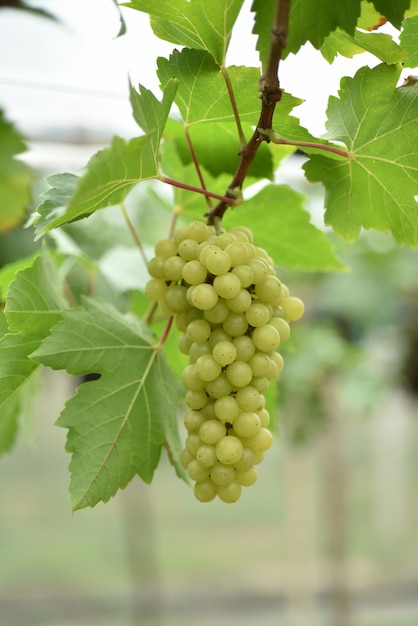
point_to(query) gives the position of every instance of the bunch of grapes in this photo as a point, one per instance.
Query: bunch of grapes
(233, 313)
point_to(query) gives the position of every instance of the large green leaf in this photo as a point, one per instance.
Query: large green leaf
(196, 24)
(119, 423)
(375, 186)
(15, 177)
(381, 45)
(202, 95)
(281, 225)
(409, 39)
(393, 11)
(114, 171)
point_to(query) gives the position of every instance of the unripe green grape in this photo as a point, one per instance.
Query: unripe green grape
(184, 342)
(219, 387)
(269, 289)
(185, 458)
(239, 374)
(156, 267)
(181, 322)
(218, 313)
(218, 262)
(293, 308)
(179, 234)
(205, 249)
(260, 270)
(241, 302)
(194, 273)
(175, 298)
(225, 239)
(207, 368)
(196, 400)
(209, 409)
(173, 268)
(226, 409)
(258, 314)
(188, 249)
(237, 253)
(248, 398)
(198, 231)
(247, 460)
(245, 347)
(278, 359)
(247, 424)
(261, 383)
(205, 491)
(235, 324)
(227, 285)
(243, 230)
(198, 330)
(156, 289)
(266, 338)
(230, 493)
(245, 274)
(206, 455)
(264, 416)
(260, 364)
(282, 326)
(261, 441)
(193, 421)
(222, 474)
(166, 248)
(272, 370)
(192, 443)
(224, 352)
(190, 378)
(196, 471)
(246, 478)
(217, 335)
(198, 349)
(204, 296)
(211, 431)
(229, 450)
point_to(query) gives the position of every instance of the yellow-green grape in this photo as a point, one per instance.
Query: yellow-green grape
(233, 314)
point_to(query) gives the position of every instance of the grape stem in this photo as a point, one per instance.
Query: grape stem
(270, 134)
(271, 94)
(230, 198)
(196, 164)
(133, 232)
(165, 333)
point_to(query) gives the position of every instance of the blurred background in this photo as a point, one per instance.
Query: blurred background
(328, 536)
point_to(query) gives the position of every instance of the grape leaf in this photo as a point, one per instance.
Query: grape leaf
(114, 171)
(408, 39)
(281, 225)
(62, 188)
(202, 95)
(122, 23)
(15, 177)
(379, 44)
(375, 186)
(393, 11)
(196, 24)
(33, 305)
(118, 423)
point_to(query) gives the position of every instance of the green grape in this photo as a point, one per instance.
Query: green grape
(269, 290)
(166, 248)
(260, 364)
(261, 441)
(243, 231)
(207, 368)
(227, 285)
(206, 455)
(225, 239)
(198, 349)
(196, 399)
(191, 380)
(239, 374)
(259, 269)
(226, 409)
(218, 262)
(282, 326)
(196, 471)
(266, 338)
(224, 352)
(245, 347)
(247, 477)
(229, 450)
(222, 474)
(198, 330)
(261, 383)
(264, 416)
(245, 274)
(194, 273)
(184, 343)
(179, 234)
(230, 493)
(156, 289)
(241, 302)
(198, 231)
(209, 409)
(238, 253)
(219, 387)
(278, 359)
(218, 313)
(235, 324)
(205, 491)
(247, 460)
(217, 335)
(204, 296)
(156, 267)
(193, 420)
(193, 443)
(186, 457)
(175, 299)
(293, 308)
(188, 249)
(173, 268)
(257, 314)
(247, 424)
(211, 431)
(248, 398)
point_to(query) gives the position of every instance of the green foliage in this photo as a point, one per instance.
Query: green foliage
(196, 136)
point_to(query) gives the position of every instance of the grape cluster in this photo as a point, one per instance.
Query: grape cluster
(233, 313)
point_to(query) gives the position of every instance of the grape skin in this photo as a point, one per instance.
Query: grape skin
(233, 313)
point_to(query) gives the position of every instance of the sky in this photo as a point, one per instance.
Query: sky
(74, 75)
